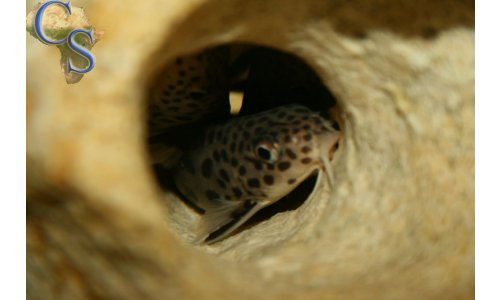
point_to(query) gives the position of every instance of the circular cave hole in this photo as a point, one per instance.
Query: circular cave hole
(218, 124)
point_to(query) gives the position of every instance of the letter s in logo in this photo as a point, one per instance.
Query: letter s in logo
(79, 49)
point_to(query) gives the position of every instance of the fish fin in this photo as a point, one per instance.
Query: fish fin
(217, 213)
(247, 215)
(328, 171)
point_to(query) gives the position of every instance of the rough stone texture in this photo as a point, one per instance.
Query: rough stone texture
(400, 224)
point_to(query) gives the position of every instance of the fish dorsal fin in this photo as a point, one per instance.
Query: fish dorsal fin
(242, 219)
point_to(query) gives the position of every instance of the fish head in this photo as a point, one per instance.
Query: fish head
(286, 145)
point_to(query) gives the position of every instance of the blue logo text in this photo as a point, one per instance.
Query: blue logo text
(70, 39)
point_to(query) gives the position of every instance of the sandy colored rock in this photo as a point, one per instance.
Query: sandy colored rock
(400, 224)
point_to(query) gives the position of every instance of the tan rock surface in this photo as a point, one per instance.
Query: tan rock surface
(400, 224)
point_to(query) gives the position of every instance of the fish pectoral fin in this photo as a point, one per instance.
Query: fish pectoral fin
(243, 218)
(217, 213)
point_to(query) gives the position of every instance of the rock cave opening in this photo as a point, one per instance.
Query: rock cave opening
(217, 85)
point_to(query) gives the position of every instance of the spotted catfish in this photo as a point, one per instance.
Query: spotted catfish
(191, 89)
(250, 162)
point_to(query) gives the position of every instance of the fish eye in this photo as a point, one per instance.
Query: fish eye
(267, 151)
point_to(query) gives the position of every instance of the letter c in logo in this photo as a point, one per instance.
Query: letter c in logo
(39, 17)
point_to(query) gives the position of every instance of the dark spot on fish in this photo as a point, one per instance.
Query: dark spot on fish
(306, 127)
(269, 180)
(291, 181)
(242, 170)
(307, 137)
(287, 138)
(212, 195)
(237, 192)
(223, 153)
(224, 175)
(241, 146)
(206, 168)
(283, 166)
(306, 149)
(234, 162)
(290, 153)
(232, 147)
(253, 182)
(221, 183)
(306, 160)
